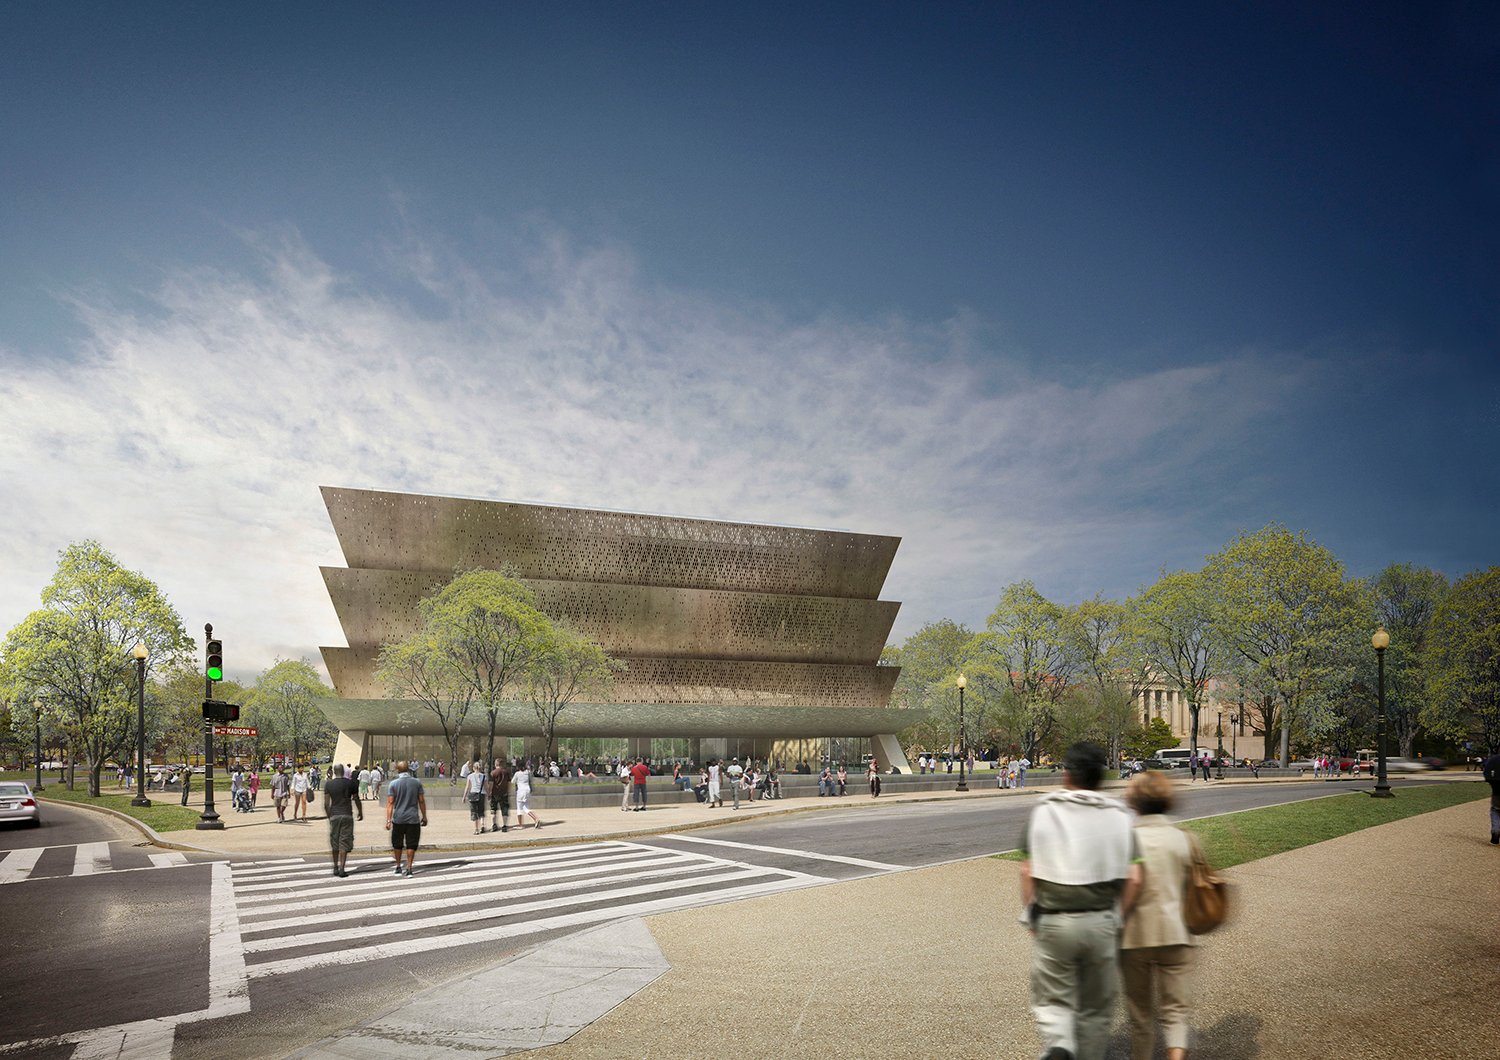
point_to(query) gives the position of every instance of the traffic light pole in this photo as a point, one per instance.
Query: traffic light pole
(208, 819)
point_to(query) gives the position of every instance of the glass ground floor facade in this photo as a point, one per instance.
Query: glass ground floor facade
(592, 751)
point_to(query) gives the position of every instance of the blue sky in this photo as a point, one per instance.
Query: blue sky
(1069, 292)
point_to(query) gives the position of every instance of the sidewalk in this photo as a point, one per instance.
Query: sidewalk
(450, 829)
(1380, 944)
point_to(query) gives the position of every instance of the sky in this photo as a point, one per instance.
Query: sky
(1067, 292)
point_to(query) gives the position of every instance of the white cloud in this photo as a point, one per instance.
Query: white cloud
(190, 436)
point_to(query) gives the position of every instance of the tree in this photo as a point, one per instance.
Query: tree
(417, 669)
(1177, 638)
(930, 660)
(73, 654)
(1112, 667)
(487, 626)
(1030, 650)
(289, 691)
(1142, 741)
(1281, 602)
(1463, 660)
(1406, 599)
(564, 664)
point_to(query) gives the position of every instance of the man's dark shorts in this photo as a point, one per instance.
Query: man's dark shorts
(500, 803)
(405, 836)
(341, 834)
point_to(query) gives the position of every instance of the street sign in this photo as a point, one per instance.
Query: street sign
(235, 730)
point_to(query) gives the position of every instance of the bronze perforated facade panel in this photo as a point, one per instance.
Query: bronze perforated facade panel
(703, 614)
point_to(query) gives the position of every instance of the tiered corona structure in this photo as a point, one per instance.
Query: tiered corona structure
(734, 633)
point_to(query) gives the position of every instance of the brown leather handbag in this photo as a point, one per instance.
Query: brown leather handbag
(1205, 896)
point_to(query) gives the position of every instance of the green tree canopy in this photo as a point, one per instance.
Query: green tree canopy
(564, 665)
(288, 691)
(1177, 638)
(73, 654)
(1406, 599)
(1464, 662)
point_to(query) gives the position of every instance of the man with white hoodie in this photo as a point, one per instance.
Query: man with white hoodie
(1080, 875)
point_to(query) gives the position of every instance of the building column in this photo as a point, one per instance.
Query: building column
(350, 749)
(887, 751)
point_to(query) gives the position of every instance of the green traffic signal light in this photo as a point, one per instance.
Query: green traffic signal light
(215, 670)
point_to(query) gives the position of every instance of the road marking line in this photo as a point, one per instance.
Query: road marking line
(486, 899)
(298, 867)
(228, 985)
(364, 931)
(405, 947)
(879, 865)
(90, 858)
(296, 887)
(18, 864)
(169, 860)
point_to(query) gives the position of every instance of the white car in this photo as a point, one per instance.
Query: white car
(17, 803)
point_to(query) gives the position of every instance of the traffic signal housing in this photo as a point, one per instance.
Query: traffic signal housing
(215, 669)
(218, 710)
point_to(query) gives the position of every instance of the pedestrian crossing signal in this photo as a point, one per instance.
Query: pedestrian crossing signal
(218, 710)
(215, 669)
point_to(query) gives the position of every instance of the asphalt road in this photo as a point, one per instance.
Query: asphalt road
(116, 932)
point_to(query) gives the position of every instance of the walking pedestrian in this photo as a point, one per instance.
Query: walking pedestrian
(638, 775)
(377, 780)
(735, 772)
(254, 787)
(474, 782)
(1491, 770)
(187, 782)
(523, 797)
(1156, 949)
(873, 773)
(405, 816)
(1022, 765)
(281, 790)
(340, 801)
(1078, 851)
(299, 795)
(625, 785)
(500, 796)
(1206, 761)
(715, 779)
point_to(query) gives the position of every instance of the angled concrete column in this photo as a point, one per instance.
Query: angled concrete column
(887, 751)
(350, 749)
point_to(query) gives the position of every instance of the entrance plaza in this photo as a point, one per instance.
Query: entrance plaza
(736, 639)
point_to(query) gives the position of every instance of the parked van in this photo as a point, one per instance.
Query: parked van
(1174, 757)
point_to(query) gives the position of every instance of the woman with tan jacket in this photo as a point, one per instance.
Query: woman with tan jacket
(1156, 949)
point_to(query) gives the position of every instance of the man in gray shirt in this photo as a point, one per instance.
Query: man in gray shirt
(405, 814)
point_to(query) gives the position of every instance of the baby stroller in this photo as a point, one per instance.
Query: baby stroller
(242, 800)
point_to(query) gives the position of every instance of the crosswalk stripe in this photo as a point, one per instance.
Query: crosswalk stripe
(168, 860)
(463, 916)
(808, 854)
(298, 867)
(89, 858)
(492, 899)
(408, 946)
(322, 880)
(19, 863)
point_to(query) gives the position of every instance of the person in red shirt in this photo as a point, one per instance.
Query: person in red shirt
(638, 774)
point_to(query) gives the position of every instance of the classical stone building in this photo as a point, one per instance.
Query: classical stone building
(735, 638)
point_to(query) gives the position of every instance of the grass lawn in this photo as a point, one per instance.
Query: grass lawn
(1235, 838)
(164, 814)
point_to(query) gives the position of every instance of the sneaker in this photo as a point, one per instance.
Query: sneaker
(1057, 1052)
(407, 873)
(398, 871)
(505, 828)
(1495, 838)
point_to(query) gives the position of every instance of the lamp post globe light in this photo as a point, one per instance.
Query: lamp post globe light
(962, 682)
(140, 653)
(1380, 641)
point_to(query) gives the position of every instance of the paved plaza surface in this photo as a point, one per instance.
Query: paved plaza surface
(801, 926)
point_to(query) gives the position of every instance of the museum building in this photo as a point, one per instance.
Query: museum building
(733, 638)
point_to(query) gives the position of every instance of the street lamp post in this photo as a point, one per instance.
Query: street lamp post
(1219, 751)
(962, 682)
(1380, 641)
(139, 653)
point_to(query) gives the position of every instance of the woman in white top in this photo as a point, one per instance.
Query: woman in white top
(299, 794)
(1156, 948)
(523, 797)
